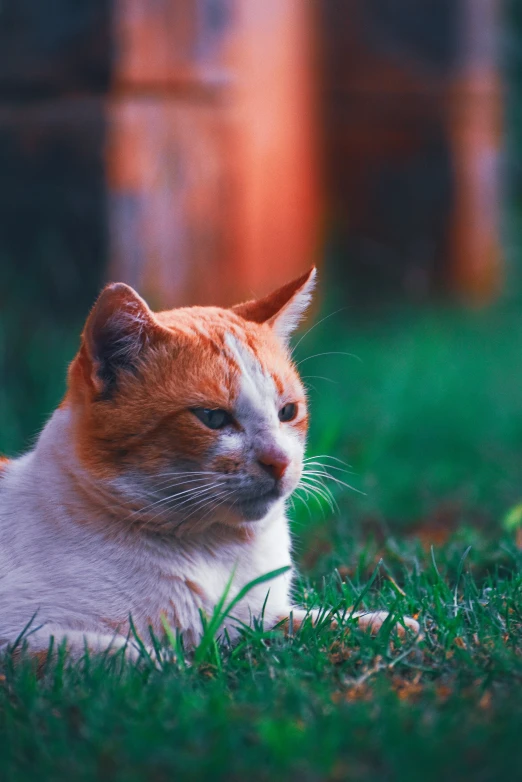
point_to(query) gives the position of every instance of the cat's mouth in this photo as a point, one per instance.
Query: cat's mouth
(254, 507)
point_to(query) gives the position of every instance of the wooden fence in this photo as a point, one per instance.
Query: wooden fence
(205, 150)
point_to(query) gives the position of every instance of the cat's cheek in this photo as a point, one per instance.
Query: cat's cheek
(226, 454)
(227, 465)
(294, 447)
(186, 438)
(291, 480)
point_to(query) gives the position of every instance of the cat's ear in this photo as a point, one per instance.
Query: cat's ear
(284, 308)
(117, 330)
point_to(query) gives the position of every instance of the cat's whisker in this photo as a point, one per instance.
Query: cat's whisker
(321, 490)
(193, 495)
(329, 353)
(202, 497)
(317, 493)
(201, 500)
(310, 387)
(319, 377)
(161, 501)
(325, 475)
(321, 473)
(302, 485)
(307, 332)
(176, 480)
(309, 493)
(325, 456)
(164, 486)
(322, 469)
(188, 472)
(327, 467)
(212, 508)
(297, 496)
(194, 492)
(183, 475)
(200, 506)
(167, 484)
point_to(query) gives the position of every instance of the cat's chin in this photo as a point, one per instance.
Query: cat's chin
(252, 509)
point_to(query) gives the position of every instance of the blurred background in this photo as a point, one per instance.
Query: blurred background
(205, 151)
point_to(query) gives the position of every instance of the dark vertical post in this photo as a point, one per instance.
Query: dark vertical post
(411, 138)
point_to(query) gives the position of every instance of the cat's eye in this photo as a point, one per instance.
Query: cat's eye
(214, 419)
(288, 412)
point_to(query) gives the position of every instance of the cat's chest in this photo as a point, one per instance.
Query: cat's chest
(188, 585)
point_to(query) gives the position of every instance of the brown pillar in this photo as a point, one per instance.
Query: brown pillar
(211, 153)
(474, 128)
(412, 134)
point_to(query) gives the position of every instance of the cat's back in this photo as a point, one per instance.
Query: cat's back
(50, 565)
(19, 512)
(4, 463)
(17, 486)
(13, 489)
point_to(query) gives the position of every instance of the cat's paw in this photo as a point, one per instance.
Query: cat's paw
(374, 620)
(367, 620)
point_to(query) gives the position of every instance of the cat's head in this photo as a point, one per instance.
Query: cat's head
(197, 415)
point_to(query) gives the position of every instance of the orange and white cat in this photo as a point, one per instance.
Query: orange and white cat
(165, 469)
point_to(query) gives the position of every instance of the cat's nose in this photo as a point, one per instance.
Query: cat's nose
(275, 464)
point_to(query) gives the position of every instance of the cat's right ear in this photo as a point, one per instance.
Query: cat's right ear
(118, 329)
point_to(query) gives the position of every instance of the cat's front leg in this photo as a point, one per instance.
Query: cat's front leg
(78, 643)
(368, 620)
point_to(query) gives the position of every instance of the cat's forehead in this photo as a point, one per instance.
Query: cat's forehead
(225, 331)
(250, 349)
(209, 322)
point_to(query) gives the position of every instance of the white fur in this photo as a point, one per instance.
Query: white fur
(74, 575)
(256, 410)
(288, 318)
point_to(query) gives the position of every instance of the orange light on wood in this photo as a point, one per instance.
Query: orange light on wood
(211, 153)
(476, 271)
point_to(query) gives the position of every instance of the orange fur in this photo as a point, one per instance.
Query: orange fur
(150, 423)
(195, 588)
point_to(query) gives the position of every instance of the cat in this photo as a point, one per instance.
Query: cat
(165, 469)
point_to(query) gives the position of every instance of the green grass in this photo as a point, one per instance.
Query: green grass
(429, 417)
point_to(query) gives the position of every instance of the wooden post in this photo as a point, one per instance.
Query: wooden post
(474, 126)
(211, 150)
(411, 137)
(179, 132)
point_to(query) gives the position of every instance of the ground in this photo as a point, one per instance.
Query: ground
(427, 411)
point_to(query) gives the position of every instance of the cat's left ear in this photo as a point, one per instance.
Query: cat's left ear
(284, 308)
(119, 329)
